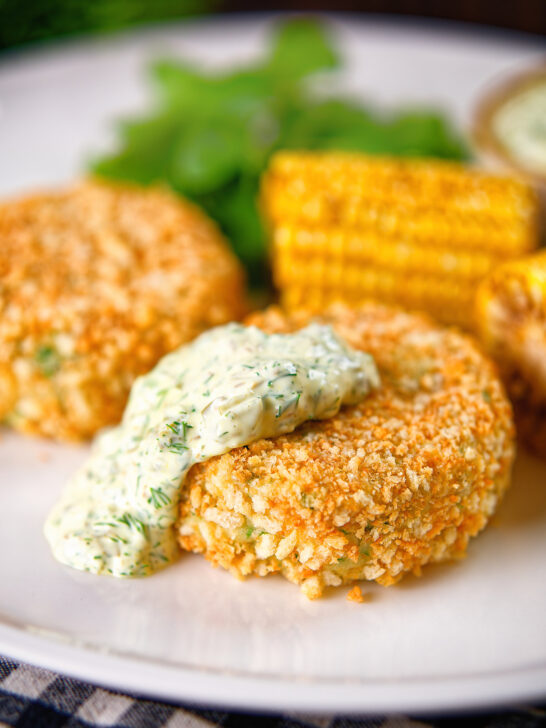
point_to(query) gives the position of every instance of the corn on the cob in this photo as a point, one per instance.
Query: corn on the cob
(511, 321)
(419, 233)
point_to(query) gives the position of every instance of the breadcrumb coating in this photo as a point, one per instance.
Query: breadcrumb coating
(510, 309)
(98, 282)
(401, 480)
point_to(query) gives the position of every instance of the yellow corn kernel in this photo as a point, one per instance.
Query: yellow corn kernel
(418, 233)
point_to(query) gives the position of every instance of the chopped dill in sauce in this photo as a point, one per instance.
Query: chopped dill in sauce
(226, 389)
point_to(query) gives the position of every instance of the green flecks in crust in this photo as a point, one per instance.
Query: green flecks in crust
(48, 360)
(248, 532)
(364, 551)
(347, 568)
(307, 501)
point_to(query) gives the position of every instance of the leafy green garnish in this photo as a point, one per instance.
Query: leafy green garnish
(301, 48)
(209, 136)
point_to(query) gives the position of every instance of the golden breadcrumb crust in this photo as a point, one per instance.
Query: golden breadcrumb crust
(403, 479)
(97, 282)
(511, 321)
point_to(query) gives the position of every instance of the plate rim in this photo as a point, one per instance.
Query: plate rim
(154, 678)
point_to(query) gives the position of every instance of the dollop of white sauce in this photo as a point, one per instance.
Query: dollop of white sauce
(231, 386)
(520, 126)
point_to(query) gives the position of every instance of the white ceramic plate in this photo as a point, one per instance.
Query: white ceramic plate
(464, 635)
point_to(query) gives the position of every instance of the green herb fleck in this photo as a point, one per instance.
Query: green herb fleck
(292, 402)
(175, 447)
(158, 498)
(48, 360)
(131, 522)
(307, 501)
(179, 427)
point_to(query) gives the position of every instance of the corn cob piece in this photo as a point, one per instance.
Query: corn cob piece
(418, 233)
(511, 322)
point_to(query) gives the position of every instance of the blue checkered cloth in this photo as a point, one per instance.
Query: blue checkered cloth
(34, 698)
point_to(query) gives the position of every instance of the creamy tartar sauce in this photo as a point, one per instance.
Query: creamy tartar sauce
(231, 386)
(520, 125)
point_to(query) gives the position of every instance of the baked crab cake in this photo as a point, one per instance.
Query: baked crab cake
(403, 479)
(97, 283)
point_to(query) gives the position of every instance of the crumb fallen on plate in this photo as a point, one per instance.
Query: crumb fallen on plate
(355, 595)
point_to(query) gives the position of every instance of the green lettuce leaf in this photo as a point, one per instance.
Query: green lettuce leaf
(210, 135)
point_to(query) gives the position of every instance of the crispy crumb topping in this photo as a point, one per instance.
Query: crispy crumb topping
(402, 479)
(97, 282)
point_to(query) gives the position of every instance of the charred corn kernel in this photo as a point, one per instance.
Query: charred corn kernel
(418, 233)
(511, 322)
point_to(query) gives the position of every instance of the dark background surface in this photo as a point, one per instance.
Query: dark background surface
(27, 21)
(525, 15)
